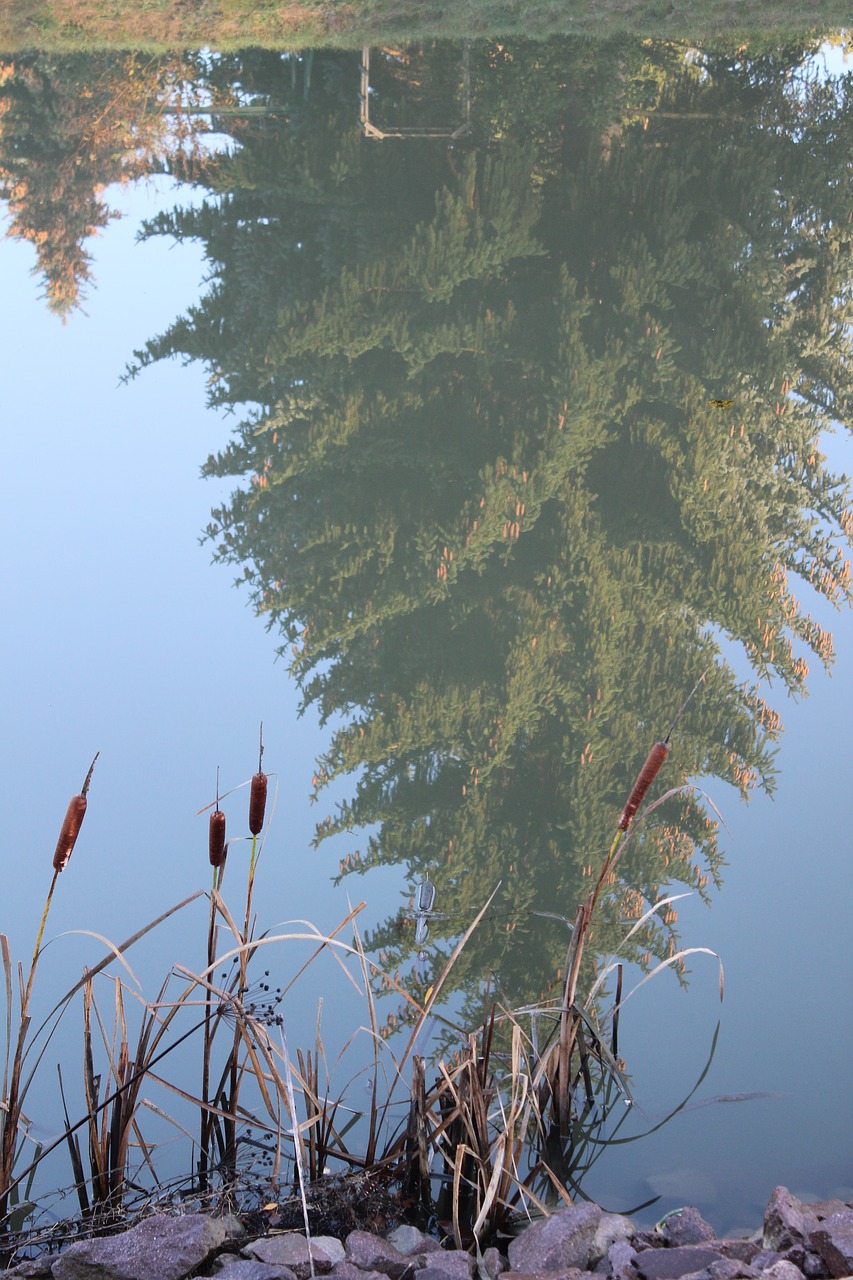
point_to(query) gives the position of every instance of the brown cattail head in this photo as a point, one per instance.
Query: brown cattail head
(648, 773)
(216, 838)
(257, 803)
(70, 831)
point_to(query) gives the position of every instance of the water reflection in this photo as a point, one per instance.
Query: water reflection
(530, 437)
(530, 441)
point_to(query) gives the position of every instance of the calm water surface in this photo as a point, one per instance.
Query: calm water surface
(519, 420)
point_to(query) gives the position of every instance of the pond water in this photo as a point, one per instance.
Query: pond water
(521, 389)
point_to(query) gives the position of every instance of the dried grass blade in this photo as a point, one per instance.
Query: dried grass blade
(461, 1152)
(7, 971)
(665, 964)
(434, 994)
(74, 1152)
(297, 1143)
(491, 1192)
(608, 968)
(372, 1132)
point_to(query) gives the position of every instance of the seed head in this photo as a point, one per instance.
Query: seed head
(216, 838)
(647, 775)
(70, 831)
(74, 815)
(257, 803)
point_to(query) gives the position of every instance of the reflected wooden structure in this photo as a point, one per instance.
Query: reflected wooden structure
(425, 130)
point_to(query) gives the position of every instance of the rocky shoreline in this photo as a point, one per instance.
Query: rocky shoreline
(797, 1241)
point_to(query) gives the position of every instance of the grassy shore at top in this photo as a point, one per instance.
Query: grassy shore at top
(72, 25)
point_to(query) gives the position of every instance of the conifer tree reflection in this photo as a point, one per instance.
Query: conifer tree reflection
(489, 501)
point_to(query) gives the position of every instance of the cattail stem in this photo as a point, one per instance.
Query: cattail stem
(37, 947)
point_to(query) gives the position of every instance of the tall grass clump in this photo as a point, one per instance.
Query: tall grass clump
(504, 1124)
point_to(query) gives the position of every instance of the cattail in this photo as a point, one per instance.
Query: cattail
(257, 802)
(69, 833)
(74, 815)
(648, 773)
(216, 839)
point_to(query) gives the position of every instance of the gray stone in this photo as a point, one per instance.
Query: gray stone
(556, 1243)
(493, 1263)
(159, 1248)
(805, 1260)
(234, 1229)
(408, 1240)
(32, 1268)
(372, 1253)
(742, 1250)
(686, 1226)
(611, 1228)
(564, 1273)
(231, 1268)
(681, 1260)
(291, 1249)
(446, 1265)
(787, 1221)
(348, 1271)
(833, 1240)
(765, 1258)
(782, 1270)
(825, 1208)
(619, 1262)
(728, 1269)
(331, 1246)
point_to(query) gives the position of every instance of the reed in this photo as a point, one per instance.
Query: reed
(12, 1129)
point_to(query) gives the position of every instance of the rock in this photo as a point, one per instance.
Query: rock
(833, 1240)
(331, 1246)
(611, 1228)
(825, 1208)
(728, 1269)
(446, 1265)
(493, 1263)
(680, 1260)
(558, 1242)
(787, 1221)
(744, 1251)
(372, 1253)
(32, 1269)
(686, 1226)
(231, 1268)
(408, 1240)
(805, 1260)
(159, 1248)
(765, 1258)
(619, 1262)
(564, 1273)
(782, 1270)
(291, 1249)
(348, 1271)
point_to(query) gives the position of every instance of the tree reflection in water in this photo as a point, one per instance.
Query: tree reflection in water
(529, 441)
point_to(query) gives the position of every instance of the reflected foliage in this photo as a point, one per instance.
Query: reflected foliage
(70, 126)
(488, 497)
